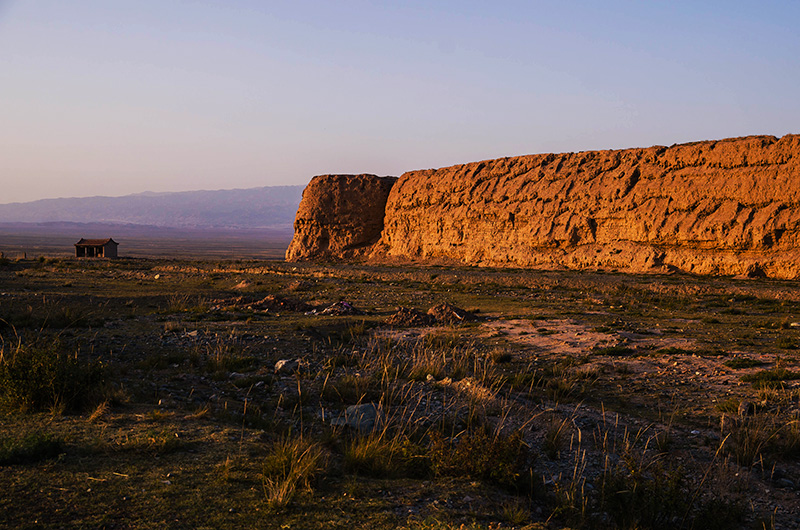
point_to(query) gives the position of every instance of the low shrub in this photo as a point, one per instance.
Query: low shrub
(385, 454)
(501, 356)
(673, 351)
(554, 437)
(44, 376)
(762, 437)
(479, 454)
(729, 406)
(787, 343)
(772, 377)
(649, 497)
(223, 356)
(162, 441)
(352, 389)
(560, 383)
(742, 362)
(50, 314)
(642, 488)
(31, 448)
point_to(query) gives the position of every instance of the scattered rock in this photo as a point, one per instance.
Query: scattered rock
(286, 366)
(268, 303)
(407, 317)
(273, 303)
(364, 417)
(450, 314)
(341, 308)
(300, 285)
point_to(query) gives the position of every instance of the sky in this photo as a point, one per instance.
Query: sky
(113, 97)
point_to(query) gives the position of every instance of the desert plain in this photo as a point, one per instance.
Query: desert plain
(206, 393)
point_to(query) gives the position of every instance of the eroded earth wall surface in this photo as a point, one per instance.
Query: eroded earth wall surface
(339, 217)
(727, 207)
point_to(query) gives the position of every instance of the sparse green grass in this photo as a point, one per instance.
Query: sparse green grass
(742, 362)
(614, 351)
(561, 381)
(161, 441)
(773, 377)
(729, 406)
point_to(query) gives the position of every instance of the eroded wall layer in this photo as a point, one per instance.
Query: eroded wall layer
(339, 217)
(717, 207)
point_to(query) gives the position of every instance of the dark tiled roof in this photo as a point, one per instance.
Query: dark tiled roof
(94, 242)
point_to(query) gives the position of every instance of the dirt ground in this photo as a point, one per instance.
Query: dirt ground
(674, 387)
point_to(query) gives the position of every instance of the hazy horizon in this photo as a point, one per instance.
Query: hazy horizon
(113, 99)
(150, 193)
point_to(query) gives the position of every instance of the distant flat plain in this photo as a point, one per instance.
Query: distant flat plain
(33, 240)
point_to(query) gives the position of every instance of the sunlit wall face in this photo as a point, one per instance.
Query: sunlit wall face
(110, 98)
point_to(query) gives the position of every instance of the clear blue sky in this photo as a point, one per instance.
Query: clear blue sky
(110, 97)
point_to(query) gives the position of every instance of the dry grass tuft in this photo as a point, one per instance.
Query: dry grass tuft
(293, 463)
(99, 412)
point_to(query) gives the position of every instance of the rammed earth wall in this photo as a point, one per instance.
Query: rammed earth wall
(726, 207)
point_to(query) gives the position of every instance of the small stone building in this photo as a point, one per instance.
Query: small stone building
(96, 248)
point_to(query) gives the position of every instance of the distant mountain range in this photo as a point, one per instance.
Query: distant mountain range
(272, 207)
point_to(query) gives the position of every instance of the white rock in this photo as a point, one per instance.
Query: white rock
(287, 366)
